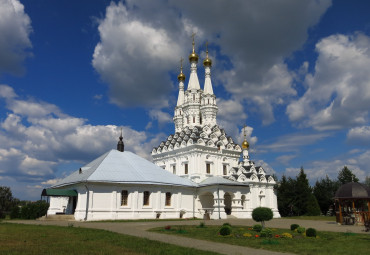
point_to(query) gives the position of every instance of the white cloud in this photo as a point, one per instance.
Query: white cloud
(160, 116)
(37, 137)
(134, 58)
(285, 159)
(140, 46)
(292, 142)
(15, 28)
(359, 135)
(338, 94)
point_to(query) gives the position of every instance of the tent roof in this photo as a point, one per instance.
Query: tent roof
(353, 190)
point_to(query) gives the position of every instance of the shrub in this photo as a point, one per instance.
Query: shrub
(226, 224)
(262, 214)
(266, 232)
(257, 228)
(311, 232)
(247, 235)
(202, 225)
(286, 235)
(225, 230)
(301, 230)
(294, 227)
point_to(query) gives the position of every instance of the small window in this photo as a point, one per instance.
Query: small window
(174, 169)
(208, 168)
(124, 197)
(208, 101)
(225, 170)
(187, 120)
(146, 198)
(168, 198)
(193, 119)
(186, 168)
(194, 97)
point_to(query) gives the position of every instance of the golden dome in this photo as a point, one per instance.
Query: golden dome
(245, 144)
(207, 61)
(193, 57)
(181, 77)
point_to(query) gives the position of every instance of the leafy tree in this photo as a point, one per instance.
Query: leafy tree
(6, 201)
(262, 214)
(324, 191)
(34, 210)
(346, 175)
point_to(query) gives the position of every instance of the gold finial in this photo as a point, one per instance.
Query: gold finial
(181, 76)
(193, 57)
(207, 61)
(193, 36)
(245, 144)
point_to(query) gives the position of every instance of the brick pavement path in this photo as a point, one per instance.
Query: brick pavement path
(140, 229)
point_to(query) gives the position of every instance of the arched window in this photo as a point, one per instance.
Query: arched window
(146, 198)
(224, 170)
(168, 198)
(124, 197)
(208, 101)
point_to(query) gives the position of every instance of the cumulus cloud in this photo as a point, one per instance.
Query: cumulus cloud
(285, 159)
(160, 116)
(134, 58)
(318, 169)
(359, 135)
(36, 137)
(138, 47)
(338, 94)
(15, 28)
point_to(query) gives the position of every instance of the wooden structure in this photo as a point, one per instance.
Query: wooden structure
(352, 204)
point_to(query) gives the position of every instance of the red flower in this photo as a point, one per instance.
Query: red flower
(277, 236)
(167, 227)
(256, 236)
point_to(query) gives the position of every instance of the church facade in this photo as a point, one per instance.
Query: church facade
(197, 171)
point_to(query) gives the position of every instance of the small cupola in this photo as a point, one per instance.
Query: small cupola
(120, 144)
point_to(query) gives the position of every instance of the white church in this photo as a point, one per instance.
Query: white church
(197, 171)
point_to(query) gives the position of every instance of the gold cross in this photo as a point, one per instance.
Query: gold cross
(244, 130)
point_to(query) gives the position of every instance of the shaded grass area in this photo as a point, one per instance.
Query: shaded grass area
(37, 239)
(325, 243)
(319, 218)
(143, 220)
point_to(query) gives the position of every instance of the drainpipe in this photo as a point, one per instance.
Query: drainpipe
(87, 201)
(194, 196)
(218, 195)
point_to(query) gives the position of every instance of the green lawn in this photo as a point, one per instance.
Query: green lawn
(37, 239)
(325, 243)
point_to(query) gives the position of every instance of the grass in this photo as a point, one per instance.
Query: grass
(326, 243)
(37, 239)
(319, 218)
(143, 220)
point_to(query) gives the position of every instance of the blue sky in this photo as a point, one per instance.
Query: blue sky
(73, 73)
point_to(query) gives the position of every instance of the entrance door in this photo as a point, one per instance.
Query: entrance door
(227, 198)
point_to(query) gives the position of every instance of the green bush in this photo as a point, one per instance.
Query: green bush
(34, 210)
(226, 224)
(266, 232)
(225, 230)
(262, 214)
(301, 230)
(202, 225)
(311, 232)
(257, 228)
(294, 227)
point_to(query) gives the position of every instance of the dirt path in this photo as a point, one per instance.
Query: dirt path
(140, 229)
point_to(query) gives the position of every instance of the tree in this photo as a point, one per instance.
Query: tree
(262, 214)
(367, 181)
(285, 196)
(346, 175)
(312, 207)
(6, 201)
(302, 193)
(324, 191)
